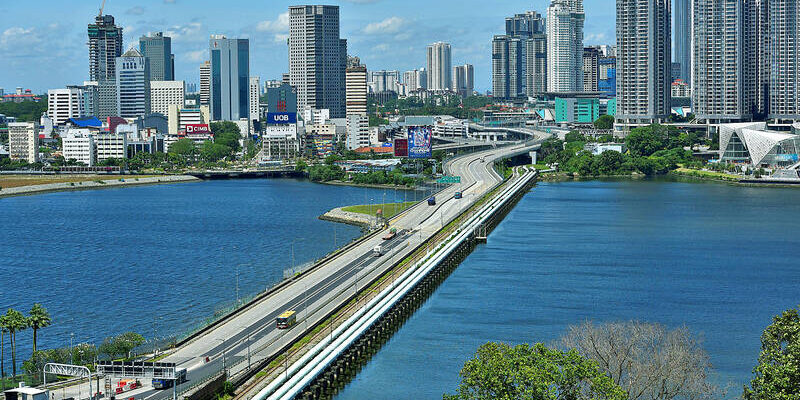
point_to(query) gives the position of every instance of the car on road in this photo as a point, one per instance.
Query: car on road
(432, 201)
(390, 235)
(457, 196)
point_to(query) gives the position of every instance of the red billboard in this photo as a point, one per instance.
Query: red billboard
(401, 147)
(198, 129)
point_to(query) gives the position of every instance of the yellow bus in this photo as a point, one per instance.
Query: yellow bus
(286, 320)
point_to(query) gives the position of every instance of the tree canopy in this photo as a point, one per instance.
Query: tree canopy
(500, 371)
(604, 122)
(777, 375)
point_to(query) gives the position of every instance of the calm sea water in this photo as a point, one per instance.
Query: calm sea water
(719, 259)
(159, 260)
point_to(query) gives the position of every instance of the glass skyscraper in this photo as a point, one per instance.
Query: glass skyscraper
(230, 78)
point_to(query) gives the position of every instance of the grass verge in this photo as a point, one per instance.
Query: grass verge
(389, 209)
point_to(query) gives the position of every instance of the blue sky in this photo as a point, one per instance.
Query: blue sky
(43, 42)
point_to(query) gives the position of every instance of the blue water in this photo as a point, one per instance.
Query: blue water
(160, 260)
(720, 259)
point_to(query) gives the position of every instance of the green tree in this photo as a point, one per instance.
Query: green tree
(574, 136)
(183, 147)
(120, 345)
(211, 151)
(608, 163)
(3, 331)
(300, 165)
(38, 318)
(499, 371)
(604, 122)
(777, 375)
(14, 322)
(643, 141)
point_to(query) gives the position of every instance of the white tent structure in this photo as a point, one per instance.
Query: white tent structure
(751, 143)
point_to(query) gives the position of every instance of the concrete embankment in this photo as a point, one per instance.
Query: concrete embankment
(347, 217)
(95, 184)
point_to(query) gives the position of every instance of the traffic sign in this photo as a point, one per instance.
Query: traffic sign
(449, 179)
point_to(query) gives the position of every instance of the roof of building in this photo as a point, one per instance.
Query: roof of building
(132, 52)
(756, 137)
(85, 122)
(27, 390)
(377, 150)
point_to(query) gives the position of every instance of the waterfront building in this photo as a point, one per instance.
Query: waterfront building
(357, 131)
(178, 118)
(440, 63)
(356, 90)
(133, 85)
(317, 58)
(205, 83)
(464, 80)
(682, 31)
(23, 141)
(643, 67)
(280, 142)
(783, 30)
(283, 98)
(724, 61)
(591, 69)
(164, 94)
(158, 50)
(78, 145)
(255, 99)
(565, 19)
(105, 45)
(63, 104)
(110, 145)
(751, 143)
(230, 78)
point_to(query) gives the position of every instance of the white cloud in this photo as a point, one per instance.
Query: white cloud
(389, 25)
(17, 36)
(193, 31)
(169, 1)
(279, 25)
(195, 56)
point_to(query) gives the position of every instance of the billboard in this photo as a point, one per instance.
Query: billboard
(198, 129)
(401, 147)
(282, 118)
(420, 141)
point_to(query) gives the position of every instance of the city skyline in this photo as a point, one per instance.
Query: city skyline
(376, 32)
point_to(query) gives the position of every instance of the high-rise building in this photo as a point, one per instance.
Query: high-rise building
(565, 20)
(23, 141)
(357, 127)
(63, 104)
(439, 66)
(507, 73)
(317, 58)
(530, 77)
(464, 79)
(524, 26)
(682, 31)
(608, 76)
(107, 99)
(724, 72)
(416, 79)
(536, 65)
(255, 98)
(784, 59)
(205, 83)
(283, 99)
(164, 94)
(105, 45)
(643, 66)
(133, 85)
(158, 50)
(591, 69)
(356, 90)
(384, 81)
(230, 78)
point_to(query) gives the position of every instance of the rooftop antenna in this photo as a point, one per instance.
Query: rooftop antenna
(102, 6)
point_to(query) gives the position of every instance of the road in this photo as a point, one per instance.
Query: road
(252, 333)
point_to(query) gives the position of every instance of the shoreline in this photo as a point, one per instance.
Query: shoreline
(563, 177)
(32, 190)
(367, 185)
(338, 215)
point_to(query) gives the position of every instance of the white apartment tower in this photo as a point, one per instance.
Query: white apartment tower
(643, 62)
(166, 93)
(783, 30)
(63, 104)
(23, 141)
(356, 90)
(565, 20)
(440, 67)
(205, 83)
(317, 58)
(255, 98)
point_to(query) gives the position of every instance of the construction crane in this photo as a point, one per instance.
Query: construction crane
(102, 6)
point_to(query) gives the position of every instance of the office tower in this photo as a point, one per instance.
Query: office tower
(107, 99)
(464, 79)
(158, 50)
(164, 94)
(724, 70)
(230, 78)
(682, 32)
(205, 83)
(283, 98)
(105, 45)
(643, 66)
(591, 69)
(356, 90)
(385, 81)
(565, 46)
(63, 104)
(317, 58)
(133, 85)
(23, 141)
(439, 66)
(507, 72)
(784, 60)
(255, 98)
(416, 79)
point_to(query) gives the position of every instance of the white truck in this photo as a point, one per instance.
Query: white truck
(378, 251)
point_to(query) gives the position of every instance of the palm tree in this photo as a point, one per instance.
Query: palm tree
(3, 331)
(14, 322)
(39, 318)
